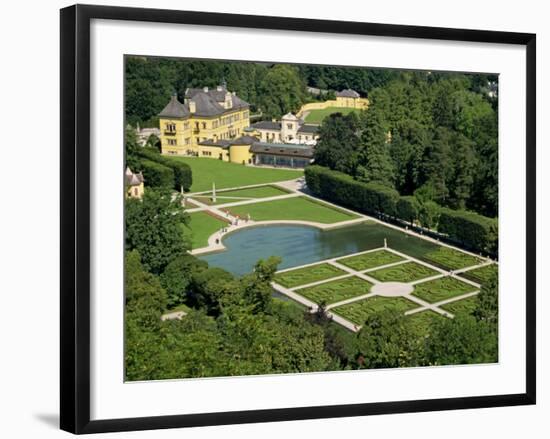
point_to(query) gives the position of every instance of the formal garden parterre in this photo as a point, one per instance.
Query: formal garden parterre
(349, 299)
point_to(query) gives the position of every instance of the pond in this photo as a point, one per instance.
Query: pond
(298, 245)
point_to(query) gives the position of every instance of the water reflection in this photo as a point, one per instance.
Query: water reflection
(298, 245)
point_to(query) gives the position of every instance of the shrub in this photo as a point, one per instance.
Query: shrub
(344, 190)
(157, 175)
(407, 208)
(182, 171)
(470, 229)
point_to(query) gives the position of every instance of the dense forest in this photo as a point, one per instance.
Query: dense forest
(271, 89)
(236, 327)
(434, 136)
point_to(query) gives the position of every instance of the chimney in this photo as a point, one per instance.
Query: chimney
(205, 89)
(192, 107)
(228, 101)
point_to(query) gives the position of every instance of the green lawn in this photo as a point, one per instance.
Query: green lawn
(202, 226)
(337, 290)
(307, 275)
(422, 322)
(317, 116)
(451, 259)
(407, 272)
(207, 171)
(357, 312)
(370, 260)
(461, 307)
(297, 208)
(483, 274)
(441, 289)
(232, 196)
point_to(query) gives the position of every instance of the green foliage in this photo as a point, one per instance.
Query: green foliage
(462, 340)
(370, 260)
(153, 227)
(385, 341)
(176, 277)
(443, 288)
(428, 214)
(336, 290)
(303, 276)
(344, 190)
(407, 208)
(181, 172)
(451, 259)
(470, 229)
(406, 272)
(487, 302)
(157, 175)
(338, 145)
(282, 90)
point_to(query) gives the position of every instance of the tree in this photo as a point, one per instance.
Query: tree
(407, 208)
(338, 144)
(462, 340)
(428, 214)
(177, 275)
(154, 227)
(256, 286)
(375, 164)
(281, 91)
(383, 341)
(487, 302)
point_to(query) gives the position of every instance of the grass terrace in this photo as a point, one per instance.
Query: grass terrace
(452, 259)
(407, 272)
(317, 116)
(357, 312)
(441, 289)
(482, 274)
(461, 307)
(227, 175)
(307, 275)
(232, 196)
(202, 225)
(370, 260)
(296, 208)
(336, 291)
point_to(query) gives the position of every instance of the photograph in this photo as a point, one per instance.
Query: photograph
(296, 218)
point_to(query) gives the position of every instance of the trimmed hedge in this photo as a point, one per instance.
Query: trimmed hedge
(407, 208)
(157, 175)
(182, 171)
(344, 190)
(467, 228)
(470, 229)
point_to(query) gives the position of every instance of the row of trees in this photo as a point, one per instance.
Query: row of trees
(469, 229)
(434, 136)
(236, 327)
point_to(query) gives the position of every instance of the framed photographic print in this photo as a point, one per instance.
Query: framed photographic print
(268, 218)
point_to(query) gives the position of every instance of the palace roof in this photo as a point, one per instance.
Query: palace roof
(347, 93)
(267, 125)
(208, 103)
(282, 149)
(174, 109)
(309, 129)
(133, 179)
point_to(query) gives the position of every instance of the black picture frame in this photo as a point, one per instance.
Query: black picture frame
(75, 217)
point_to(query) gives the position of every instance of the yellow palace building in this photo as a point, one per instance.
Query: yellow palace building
(207, 116)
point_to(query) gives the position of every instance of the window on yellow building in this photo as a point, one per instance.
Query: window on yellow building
(204, 125)
(185, 125)
(172, 142)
